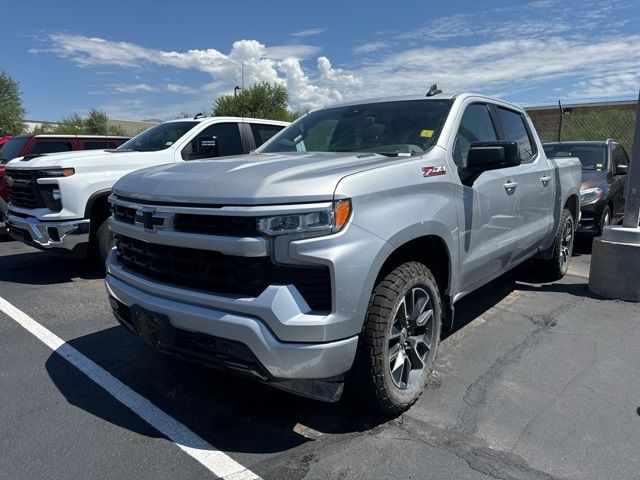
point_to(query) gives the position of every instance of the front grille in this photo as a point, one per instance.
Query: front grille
(218, 273)
(24, 191)
(199, 224)
(217, 225)
(124, 214)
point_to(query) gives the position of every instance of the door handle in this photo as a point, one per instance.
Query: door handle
(545, 180)
(510, 185)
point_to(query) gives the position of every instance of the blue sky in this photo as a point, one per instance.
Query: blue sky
(143, 59)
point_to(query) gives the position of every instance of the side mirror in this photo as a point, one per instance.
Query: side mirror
(492, 156)
(207, 146)
(622, 170)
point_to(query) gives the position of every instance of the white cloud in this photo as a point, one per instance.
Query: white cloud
(146, 88)
(309, 32)
(248, 59)
(135, 88)
(371, 47)
(335, 76)
(461, 52)
(175, 88)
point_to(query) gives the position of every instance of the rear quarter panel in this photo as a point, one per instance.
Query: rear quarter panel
(567, 178)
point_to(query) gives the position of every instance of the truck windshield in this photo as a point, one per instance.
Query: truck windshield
(158, 138)
(398, 128)
(12, 149)
(592, 157)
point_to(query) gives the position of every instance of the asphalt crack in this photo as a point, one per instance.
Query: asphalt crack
(478, 455)
(476, 394)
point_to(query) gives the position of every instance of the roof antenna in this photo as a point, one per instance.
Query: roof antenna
(199, 115)
(433, 90)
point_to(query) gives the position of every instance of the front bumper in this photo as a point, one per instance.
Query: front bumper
(69, 235)
(276, 360)
(590, 218)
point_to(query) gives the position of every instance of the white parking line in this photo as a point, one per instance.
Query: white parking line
(213, 459)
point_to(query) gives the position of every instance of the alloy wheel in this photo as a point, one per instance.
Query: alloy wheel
(411, 338)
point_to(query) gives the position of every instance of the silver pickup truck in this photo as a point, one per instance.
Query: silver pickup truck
(333, 256)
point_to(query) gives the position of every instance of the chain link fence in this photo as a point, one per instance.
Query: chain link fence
(586, 121)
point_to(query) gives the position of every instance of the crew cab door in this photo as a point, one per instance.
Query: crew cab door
(536, 184)
(226, 137)
(487, 206)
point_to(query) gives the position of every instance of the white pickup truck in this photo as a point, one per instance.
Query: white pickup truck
(59, 201)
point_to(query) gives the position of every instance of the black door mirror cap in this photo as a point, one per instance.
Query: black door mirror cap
(492, 156)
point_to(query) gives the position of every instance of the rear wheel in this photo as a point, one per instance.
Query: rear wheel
(399, 340)
(558, 265)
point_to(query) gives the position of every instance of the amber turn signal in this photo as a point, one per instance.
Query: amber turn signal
(342, 212)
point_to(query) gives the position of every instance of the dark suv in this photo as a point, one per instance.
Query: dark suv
(604, 174)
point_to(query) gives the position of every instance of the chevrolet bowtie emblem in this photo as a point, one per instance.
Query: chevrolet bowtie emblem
(150, 219)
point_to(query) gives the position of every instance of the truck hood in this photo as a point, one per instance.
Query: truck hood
(249, 179)
(73, 159)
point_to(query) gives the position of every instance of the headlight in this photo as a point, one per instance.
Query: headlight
(57, 172)
(590, 195)
(52, 197)
(327, 221)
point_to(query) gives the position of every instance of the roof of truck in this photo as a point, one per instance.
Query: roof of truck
(229, 119)
(439, 96)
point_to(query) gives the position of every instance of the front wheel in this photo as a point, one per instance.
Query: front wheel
(605, 219)
(104, 241)
(399, 340)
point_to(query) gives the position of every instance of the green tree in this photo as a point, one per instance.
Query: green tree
(96, 123)
(11, 110)
(262, 100)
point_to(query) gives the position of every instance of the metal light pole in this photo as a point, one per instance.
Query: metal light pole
(632, 207)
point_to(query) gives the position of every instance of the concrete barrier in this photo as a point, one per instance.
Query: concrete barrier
(615, 258)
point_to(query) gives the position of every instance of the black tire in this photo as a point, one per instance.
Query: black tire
(558, 265)
(371, 381)
(104, 241)
(605, 219)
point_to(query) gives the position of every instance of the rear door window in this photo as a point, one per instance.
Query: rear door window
(476, 126)
(51, 146)
(515, 130)
(262, 133)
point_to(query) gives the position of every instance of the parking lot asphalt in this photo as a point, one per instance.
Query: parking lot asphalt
(536, 381)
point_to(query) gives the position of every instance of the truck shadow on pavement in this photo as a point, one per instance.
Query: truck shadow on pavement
(34, 267)
(232, 413)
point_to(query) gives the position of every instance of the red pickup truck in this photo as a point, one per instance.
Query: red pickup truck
(23, 145)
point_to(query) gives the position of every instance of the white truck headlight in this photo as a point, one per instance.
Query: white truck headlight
(590, 195)
(328, 221)
(57, 172)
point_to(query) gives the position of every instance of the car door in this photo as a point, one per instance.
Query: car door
(226, 135)
(487, 207)
(536, 184)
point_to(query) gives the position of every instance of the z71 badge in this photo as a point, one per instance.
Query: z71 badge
(434, 171)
